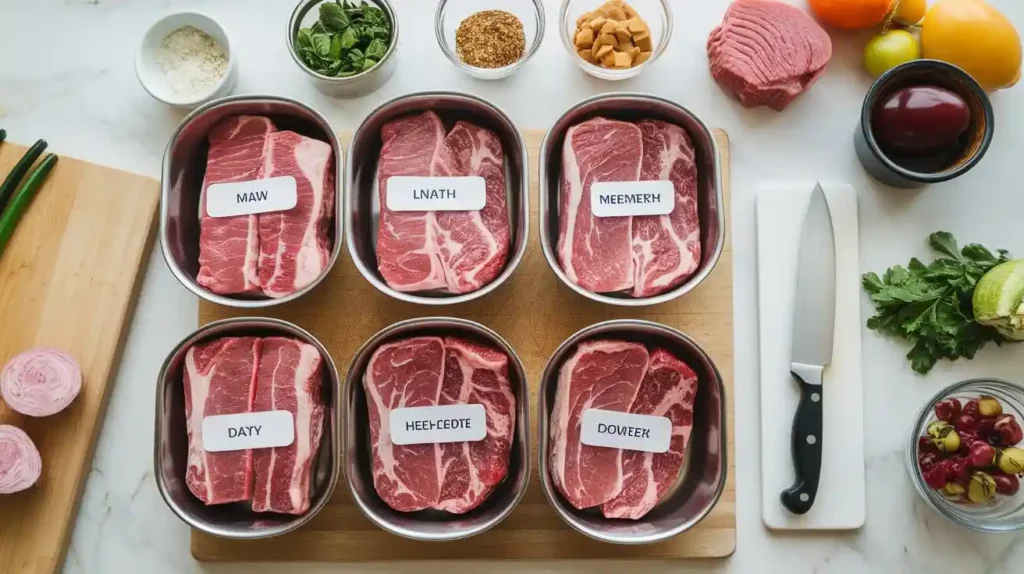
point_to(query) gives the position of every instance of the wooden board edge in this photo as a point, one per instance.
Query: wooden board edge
(142, 266)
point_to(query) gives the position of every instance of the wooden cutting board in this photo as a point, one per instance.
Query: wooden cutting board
(346, 310)
(68, 279)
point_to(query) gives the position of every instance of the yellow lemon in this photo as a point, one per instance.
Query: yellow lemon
(976, 37)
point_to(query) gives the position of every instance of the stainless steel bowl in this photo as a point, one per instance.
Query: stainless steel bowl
(170, 444)
(432, 525)
(702, 477)
(353, 86)
(362, 208)
(710, 202)
(182, 180)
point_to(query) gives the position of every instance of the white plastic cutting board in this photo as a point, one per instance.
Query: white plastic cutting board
(840, 504)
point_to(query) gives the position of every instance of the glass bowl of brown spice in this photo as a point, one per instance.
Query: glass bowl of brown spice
(491, 43)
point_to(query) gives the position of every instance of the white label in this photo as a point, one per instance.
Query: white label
(627, 431)
(407, 193)
(449, 423)
(249, 197)
(248, 430)
(624, 198)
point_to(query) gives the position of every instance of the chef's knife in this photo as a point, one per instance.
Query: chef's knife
(813, 329)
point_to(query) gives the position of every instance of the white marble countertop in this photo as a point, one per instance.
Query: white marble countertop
(67, 74)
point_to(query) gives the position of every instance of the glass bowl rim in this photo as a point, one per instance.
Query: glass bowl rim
(612, 73)
(931, 497)
(449, 52)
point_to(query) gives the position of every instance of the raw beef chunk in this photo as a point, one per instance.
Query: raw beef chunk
(642, 256)
(767, 53)
(294, 245)
(233, 375)
(624, 377)
(288, 379)
(457, 252)
(277, 253)
(229, 246)
(430, 371)
(220, 379)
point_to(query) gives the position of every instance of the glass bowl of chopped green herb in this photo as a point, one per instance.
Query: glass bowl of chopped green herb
(346, 47)
(492, 42)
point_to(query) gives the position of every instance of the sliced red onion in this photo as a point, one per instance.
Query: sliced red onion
(41, 382)
(20, 465)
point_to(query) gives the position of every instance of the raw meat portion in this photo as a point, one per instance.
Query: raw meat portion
(459, 252)
(430, 371)
(219, 379)
(767, 53)
(406, 246)
(600, 375)
(594, 252)
(668, 389)
(476, 374)
(294, 245)
(619, 376)
(229, 246)
(473, 245)
(645, 255)
(288, 378)
(404, 374)
(666, 248)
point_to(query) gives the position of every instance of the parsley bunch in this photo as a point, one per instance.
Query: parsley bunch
(347, 39)
(930, 305)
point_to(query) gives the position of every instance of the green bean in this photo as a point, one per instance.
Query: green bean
(22, 199)
(18, 173)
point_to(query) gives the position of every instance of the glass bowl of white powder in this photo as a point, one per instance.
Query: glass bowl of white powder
(186, 60)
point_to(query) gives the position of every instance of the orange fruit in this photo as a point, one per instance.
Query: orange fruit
(851, 14)
(975, 36)
(909, 11)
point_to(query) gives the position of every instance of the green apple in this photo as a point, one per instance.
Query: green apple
(890, 49)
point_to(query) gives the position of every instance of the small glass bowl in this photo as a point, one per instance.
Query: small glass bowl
(656, 13)
(1006, 513)
(451, 13)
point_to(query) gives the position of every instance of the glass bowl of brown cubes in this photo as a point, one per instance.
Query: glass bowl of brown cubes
(490, 41)
(615, 39)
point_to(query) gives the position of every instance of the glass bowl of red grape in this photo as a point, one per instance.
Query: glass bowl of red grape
(966, 454)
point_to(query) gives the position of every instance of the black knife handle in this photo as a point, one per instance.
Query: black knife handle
(807, 440)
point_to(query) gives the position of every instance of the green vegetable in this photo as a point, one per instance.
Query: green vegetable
(18, 173)
(3, 135)
(348, 39)
(999, 299)
(930, 305)
(9, 219)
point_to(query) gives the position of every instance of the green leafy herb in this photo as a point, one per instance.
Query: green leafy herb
(348, 39)
(930, 305)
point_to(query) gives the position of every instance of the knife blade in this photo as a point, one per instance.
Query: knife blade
(813, 331)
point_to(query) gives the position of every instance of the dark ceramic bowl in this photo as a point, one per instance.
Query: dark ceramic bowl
(972, 146)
